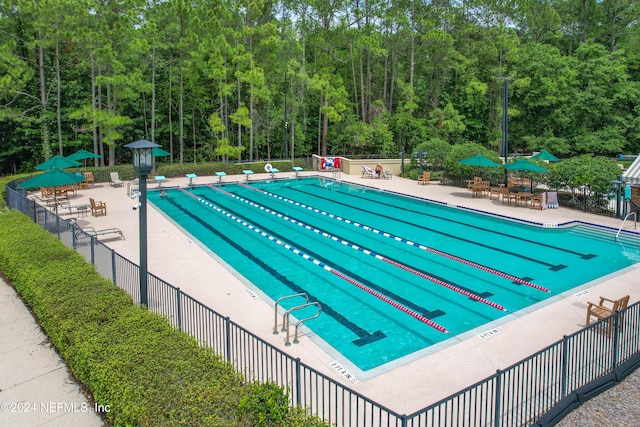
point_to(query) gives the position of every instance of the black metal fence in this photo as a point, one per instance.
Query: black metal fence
(530, 392)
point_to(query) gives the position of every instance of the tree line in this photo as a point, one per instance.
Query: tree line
(249, 80)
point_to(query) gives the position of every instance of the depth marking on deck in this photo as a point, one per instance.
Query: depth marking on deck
(251, 294)
(337, 366)
(489, 333)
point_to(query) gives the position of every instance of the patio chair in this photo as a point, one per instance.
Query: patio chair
(425, 178)
(368, 172)
(69, 190)
(536, 202)
(98, 208)
(497, 191)
(473, 182)
(92, 232)
(509, 196)
(605, 308)
(47, 195)
(88, 178)
(484, 187)
(115, 179)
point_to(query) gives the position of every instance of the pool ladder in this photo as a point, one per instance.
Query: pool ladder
(287, 315)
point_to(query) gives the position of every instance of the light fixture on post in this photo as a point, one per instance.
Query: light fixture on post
(420, 155)
(619, 185)
(142, 163)
(505, 125)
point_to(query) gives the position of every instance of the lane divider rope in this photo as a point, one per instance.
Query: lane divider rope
(405, 241)
(318, 263)
(366, 251)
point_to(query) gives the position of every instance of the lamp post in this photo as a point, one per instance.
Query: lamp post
(286, 124)
(420, 155)
(505, 126)
(142, 163)
(618, 184)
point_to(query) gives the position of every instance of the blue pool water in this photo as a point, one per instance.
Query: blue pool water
(394, 274)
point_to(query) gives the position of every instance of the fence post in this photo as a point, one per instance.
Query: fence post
(297, 382)
(179, 307)
(616, 339)
(496, 414)
(227, 324)
(113, 267)
(92, 251)
(565, 364)
(74, 239)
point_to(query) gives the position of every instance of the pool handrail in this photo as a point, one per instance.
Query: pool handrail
(300, 307)
(275, 324)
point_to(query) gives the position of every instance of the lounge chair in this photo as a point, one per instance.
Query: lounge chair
(81, 208)
(115, 179)
(425, 178)
(602, 310)
(368, 172)
(98, 208)
(92, 232)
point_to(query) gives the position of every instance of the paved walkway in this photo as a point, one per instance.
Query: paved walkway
(35, 386)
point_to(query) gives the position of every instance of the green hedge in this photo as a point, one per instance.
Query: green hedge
(148, 372)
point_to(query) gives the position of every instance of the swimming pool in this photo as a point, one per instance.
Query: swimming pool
(394, 274)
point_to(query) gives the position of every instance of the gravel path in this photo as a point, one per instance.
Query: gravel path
(617, 407)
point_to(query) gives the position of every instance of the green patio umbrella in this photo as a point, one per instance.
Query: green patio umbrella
(479, 160)
(57, 162)
(545, 155)
(52, 178)
(83, 154)
(527, 166)
(159, 152)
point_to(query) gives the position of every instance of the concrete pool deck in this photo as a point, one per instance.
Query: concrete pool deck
(405, 385)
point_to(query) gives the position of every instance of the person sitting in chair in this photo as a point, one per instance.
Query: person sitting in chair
(378, 170)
